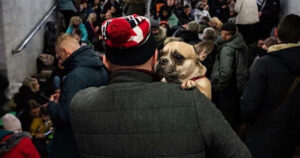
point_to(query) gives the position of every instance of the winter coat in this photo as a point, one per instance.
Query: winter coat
(66, 5)
(210, 60)
(84, 69)
(16, 145)
(173, 20)
(183, 17)
(135, 7)
(50, 38)
(84, 34)
(224, 80)
(274, 128)
(198, 14)
(171, 17)
(270, 10)
(136, 117)
(90, 29)
(247, 12)
(223, 72)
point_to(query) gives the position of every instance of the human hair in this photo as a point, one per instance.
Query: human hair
(288, 29)
(73, 19)
(66, 40)
(208, 45)
(217, 22)
(32, 104)
(210, 34)
(31, 83)
(186, 6)
(91, 17)
(193, 26)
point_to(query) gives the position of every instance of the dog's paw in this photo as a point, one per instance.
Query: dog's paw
(188, 84)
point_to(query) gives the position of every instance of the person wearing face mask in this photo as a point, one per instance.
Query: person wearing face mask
(200, 12)
(76, 24)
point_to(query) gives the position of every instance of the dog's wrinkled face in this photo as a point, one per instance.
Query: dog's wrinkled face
(178, 62)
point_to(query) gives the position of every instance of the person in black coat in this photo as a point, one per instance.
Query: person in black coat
(273, 113)
(49, 38)
(83, 69)
(268, 17)
(29, 90)
(191, 36)
(186, 15)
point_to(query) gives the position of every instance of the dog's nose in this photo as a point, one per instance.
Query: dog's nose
(163, 60)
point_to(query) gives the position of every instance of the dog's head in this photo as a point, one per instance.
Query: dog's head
(178, 62)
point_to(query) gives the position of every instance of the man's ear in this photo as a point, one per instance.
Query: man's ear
(67, 51)
(106, 63)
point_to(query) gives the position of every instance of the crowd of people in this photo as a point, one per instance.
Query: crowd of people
(114, 89)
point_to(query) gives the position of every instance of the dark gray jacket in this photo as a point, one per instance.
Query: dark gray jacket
(223, 73)
(136, 117)
(84, 69)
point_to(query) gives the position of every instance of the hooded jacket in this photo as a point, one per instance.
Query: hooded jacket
(223, 72)
(16, 145)
(84, 33)
(84, 69)
(273, 125)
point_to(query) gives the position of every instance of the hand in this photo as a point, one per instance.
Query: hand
(39, 136)
(224, 6)
(55, 97)
(45, 105)
(259, 14)
(97, 28)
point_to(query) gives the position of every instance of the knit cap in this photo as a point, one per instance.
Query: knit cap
(11, 123)
(128, 40)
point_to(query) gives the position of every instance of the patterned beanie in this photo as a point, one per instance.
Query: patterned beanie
(128, 40)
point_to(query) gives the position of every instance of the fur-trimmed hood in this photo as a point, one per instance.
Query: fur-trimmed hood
(15, 138)
(288, 54)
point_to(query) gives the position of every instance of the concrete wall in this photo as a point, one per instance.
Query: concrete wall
(2, 47)
(19, 17)
(290, 7)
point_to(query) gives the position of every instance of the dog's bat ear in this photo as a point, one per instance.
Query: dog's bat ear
(202, 67)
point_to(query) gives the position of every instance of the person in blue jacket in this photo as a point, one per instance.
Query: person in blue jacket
(83, 69)
(76, 24)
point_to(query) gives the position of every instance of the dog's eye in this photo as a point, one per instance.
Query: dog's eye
(178, 57)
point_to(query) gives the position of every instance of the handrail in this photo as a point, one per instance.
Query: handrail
(28, 38)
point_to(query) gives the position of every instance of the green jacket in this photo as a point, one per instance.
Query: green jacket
(173, 20)
(223, 72)
(136, 117)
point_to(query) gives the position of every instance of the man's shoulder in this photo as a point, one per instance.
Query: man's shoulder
(154, 90)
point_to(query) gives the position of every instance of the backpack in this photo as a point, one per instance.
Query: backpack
(241, 67)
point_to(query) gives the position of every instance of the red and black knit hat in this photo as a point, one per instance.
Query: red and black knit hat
(128, 40)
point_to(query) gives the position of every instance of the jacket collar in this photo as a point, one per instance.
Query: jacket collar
(282, 46)
(133, 75)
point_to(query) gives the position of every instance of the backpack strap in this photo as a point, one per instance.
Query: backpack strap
(290, 91)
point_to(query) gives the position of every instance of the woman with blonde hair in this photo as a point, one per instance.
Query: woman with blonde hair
(76, 24)
(29, 90)
(91, 27)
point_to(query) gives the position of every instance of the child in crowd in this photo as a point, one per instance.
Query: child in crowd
(13, 142)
